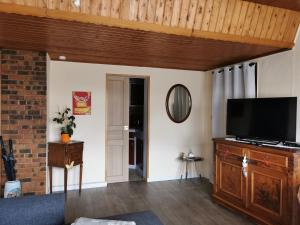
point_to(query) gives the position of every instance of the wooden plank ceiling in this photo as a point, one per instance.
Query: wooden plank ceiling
(110, 45)
(286, 4)
(185, 34)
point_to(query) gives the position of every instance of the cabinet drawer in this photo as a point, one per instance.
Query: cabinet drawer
(73, 147)
(74, 154)
(269, 158)
(229, 149)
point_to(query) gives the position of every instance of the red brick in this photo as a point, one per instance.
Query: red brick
(23, 108)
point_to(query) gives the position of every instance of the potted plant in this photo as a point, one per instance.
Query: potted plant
(66, 119)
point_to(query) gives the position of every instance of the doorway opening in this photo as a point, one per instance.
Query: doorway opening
(127, 128)
(137, 148)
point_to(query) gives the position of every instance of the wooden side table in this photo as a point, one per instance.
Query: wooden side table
(190, 160)
(60, 155)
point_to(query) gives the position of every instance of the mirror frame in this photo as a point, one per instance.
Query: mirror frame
(167, 103)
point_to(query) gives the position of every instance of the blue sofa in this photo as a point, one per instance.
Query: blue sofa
(33, 210)
(50, 209)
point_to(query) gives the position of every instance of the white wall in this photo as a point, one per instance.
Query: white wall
(279, 76)
(166, 139)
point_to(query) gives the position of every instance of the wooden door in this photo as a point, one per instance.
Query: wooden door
(117, 129)
(230, 183)
(267, 194)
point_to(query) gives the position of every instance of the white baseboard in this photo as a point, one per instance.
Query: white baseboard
(155, 179)
(76, 186)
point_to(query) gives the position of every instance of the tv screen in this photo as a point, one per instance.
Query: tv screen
(271, 119)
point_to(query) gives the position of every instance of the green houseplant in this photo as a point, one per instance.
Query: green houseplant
(66, 119)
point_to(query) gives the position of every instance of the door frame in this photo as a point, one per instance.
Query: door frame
(147, 79)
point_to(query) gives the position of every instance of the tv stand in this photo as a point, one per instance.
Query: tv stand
(259, 181)
(257, 142)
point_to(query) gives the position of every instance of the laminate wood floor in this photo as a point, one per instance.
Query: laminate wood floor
(175, 203)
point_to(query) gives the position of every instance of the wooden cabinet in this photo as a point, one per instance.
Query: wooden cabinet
(60, 155)
(266, 189)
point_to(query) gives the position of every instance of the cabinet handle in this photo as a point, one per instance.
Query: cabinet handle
(225, 154)
(266, 160)
(245, 166)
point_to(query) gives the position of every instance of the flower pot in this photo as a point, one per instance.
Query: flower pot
(12, 189)
(65, 138)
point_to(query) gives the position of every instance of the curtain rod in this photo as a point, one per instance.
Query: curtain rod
(240, 67)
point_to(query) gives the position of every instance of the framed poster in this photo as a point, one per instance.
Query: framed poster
(82, 102)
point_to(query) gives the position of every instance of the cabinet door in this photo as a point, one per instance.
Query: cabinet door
(267, 194)
(230, 184)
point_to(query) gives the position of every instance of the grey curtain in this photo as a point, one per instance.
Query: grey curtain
(181, 103)
(238, 81)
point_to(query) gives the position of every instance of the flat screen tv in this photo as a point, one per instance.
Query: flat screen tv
(272, 119)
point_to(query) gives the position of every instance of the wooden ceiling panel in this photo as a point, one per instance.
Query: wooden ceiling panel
(92, 43)
(180, 34)
(287, 4)
(235, 20)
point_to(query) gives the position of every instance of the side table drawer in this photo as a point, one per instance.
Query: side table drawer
(74, 155)
(56, 155)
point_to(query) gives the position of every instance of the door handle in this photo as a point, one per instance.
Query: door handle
(126, 128)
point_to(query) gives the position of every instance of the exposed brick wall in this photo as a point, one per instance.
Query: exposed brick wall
(23, 114)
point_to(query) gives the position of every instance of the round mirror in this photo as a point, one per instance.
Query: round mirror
(178, 103)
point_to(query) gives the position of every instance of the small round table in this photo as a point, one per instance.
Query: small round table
(188, 160)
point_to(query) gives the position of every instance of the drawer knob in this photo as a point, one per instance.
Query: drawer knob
(226, 153)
